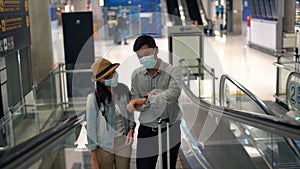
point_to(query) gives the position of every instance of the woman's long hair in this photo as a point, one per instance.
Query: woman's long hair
(102, 94)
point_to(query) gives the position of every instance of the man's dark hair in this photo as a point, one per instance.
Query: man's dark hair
(144, 40)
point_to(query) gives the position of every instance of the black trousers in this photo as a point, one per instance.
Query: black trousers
(147, 146)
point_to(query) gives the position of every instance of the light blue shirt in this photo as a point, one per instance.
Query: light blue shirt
(92, 114)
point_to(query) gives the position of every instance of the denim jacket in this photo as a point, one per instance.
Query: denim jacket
(92, 114)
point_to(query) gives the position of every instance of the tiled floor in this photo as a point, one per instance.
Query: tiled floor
(227, 54)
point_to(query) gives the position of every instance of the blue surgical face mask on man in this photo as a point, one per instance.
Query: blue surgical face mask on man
(148, 62)
(113, 82)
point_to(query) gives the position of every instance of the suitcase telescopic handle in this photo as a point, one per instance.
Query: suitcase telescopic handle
(161, 120)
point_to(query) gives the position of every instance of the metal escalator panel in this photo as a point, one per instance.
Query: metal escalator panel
(229, 138)
(273, 148)
(264, 147)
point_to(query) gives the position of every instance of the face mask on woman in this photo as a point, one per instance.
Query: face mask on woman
(113, 82)
(148, 62)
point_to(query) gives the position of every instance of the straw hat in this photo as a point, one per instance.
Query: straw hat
(101, 68)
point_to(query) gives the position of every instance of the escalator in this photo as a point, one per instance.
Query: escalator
(230, 138)
(213, 137)
(193, 11)
(46, 150)
(197, 13)
(246, 100)
(234, 95)
(207, 22)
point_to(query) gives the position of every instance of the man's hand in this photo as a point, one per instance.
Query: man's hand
(135, 104)
(153, 92)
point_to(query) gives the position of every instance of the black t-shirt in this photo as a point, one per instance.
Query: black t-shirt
(122, 23)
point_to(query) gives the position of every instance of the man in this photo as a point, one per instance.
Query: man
(155, 88)
(122, 28)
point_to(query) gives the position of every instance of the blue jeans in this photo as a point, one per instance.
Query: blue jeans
(122, 34)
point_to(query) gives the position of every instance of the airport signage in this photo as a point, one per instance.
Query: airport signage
(14, 25)
(293, 95)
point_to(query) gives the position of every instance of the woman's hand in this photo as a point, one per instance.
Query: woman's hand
(95, 161)
(95, 164)
(129, 137)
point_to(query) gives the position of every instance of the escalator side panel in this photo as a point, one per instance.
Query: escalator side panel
(216, 141)
(223, 149)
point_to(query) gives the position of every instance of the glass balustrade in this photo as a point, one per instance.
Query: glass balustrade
(43, 108)
(234, 97)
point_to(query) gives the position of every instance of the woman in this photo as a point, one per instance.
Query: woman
(110, 143)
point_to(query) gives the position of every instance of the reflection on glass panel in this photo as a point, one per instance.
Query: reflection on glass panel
(64, 155)
(282, 83)
(287, 65)
(226, 143)
(6, 137)
(274, 149)
(44, 107)
(207, 85)
(236, 98)
(187, 48)
(293, 91)
(200, 87)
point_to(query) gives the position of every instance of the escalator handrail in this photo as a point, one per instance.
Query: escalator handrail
(259, 102)
(202, 7)
(25, 154)
(262, 121)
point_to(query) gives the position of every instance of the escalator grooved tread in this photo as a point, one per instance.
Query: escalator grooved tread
(275, 108)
